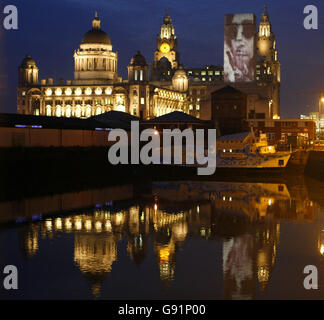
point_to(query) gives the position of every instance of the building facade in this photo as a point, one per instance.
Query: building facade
(97, 87)
(148, 92)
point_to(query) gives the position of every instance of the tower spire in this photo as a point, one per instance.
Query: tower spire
(96, 22)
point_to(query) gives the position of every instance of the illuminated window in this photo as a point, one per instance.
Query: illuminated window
(88, 91)
(108, 91)
(191, 107)
(203, 73)
(121, 108)
(68, 111)
(88, 111)
(49, 92)
(78, 91)
(68, 91)
(48, 110)
(197, 107)
(78, 111)
(58, 111)
(142, 100)
(98, 91)
(58, 91)
(98, 111)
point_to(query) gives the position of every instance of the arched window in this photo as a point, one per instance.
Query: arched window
(78, 111)
(88, 111)
(68, 111)
(48, 110)
(58, 111)
(98, 111)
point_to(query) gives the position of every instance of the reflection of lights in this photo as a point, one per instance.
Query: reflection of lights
(98, 225)
(88, 225)
(230, 198)
(78, 224)
(142, 216)
(202, 232)
(263, 274)
(68, 224)
(164, 254)
(58, 223)
(197, 209)
(119, 218)
(48, 224)
(108, 226)
(322, 249)
(224, 198)
(155, 207)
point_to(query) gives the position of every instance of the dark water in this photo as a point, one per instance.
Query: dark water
(166, 240)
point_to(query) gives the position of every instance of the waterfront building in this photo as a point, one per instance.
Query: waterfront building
(97, 88)
(148, 92)
(263, 92)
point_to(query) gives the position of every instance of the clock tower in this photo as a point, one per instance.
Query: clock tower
(166, 56)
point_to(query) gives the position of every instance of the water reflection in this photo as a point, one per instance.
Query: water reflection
(244, 217)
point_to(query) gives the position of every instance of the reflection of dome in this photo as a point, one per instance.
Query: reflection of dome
(138, 60)
(28, 62)
(179, 231)
(95, 254)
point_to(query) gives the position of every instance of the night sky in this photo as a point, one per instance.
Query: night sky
(50, 30)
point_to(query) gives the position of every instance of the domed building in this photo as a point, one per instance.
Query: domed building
(180, 80)
(97, 88)
(95, 58)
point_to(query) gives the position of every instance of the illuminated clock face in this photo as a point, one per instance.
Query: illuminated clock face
(165, 47)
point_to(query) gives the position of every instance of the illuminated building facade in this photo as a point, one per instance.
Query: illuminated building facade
(166, 87)
(97, 87)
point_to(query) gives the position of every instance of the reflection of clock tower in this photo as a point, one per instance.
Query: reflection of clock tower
(166, 57)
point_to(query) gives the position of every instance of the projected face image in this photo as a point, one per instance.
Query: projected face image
(239, 48)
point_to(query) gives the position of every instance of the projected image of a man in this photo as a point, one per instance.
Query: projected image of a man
(239, 51)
